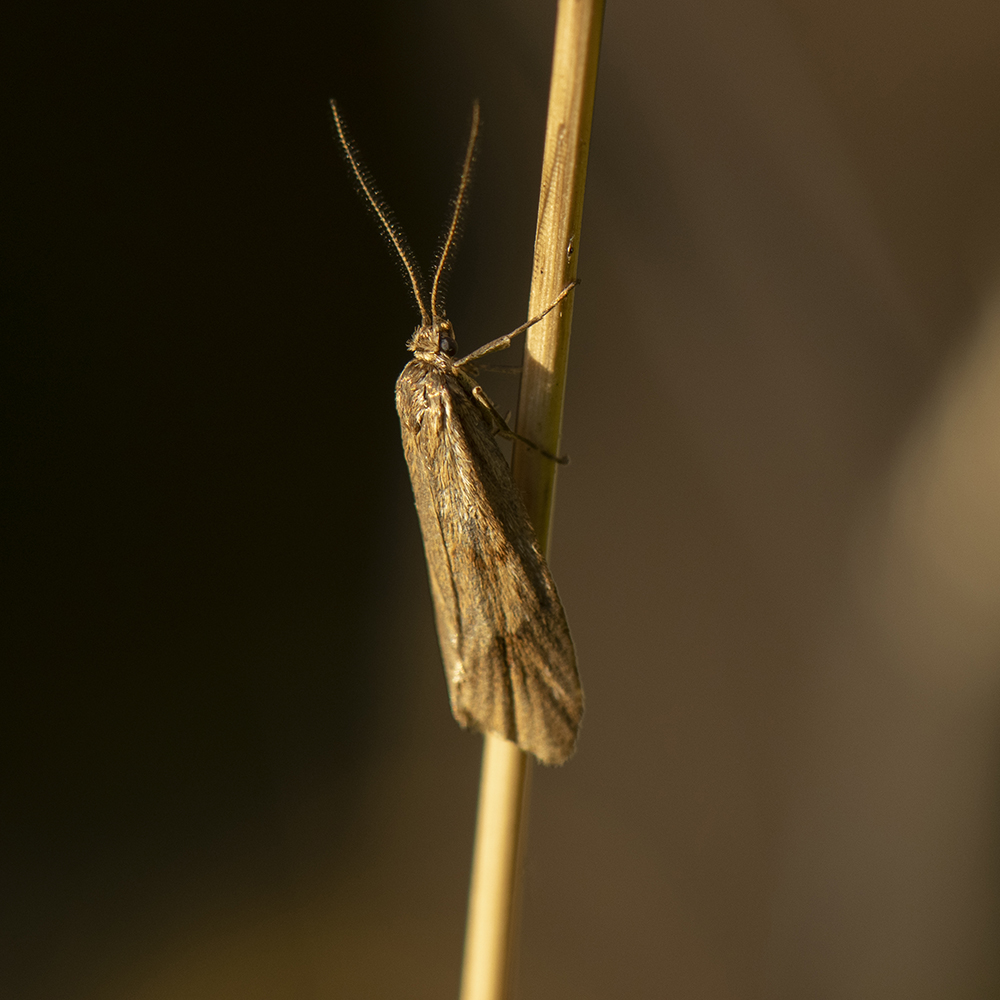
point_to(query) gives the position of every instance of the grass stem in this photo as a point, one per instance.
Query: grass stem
(503, 796)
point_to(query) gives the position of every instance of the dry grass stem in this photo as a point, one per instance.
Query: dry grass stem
(502, 814)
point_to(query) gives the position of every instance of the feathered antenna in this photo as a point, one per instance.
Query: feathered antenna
(454, 228)
(384, 214)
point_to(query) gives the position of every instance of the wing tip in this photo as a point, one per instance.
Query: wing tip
(548, 748)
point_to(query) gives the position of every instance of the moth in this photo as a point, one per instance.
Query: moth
(508, 656)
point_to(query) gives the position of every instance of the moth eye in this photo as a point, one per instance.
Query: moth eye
(446, 346)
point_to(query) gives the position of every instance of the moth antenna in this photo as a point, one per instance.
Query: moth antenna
(383, 213)
(461, 196)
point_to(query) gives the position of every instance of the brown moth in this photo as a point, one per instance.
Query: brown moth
(508, 656)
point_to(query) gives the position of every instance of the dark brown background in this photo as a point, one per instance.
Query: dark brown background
(229, 769)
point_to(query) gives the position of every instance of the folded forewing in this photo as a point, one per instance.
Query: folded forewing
(508, 656)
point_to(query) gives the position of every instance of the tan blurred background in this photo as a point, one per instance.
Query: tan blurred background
(230, 770)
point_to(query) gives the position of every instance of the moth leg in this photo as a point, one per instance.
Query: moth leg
(503, 428)
(502, 343)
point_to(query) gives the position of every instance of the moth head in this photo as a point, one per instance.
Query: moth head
(433, 338)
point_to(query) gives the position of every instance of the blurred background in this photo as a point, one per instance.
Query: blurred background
(229, 767)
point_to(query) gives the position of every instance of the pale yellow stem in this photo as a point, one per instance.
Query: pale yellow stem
(503, 796)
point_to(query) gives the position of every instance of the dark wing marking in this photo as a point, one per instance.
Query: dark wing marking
(508, 656)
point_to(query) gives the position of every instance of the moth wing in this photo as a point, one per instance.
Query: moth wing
(421, 423)
(509, 659)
